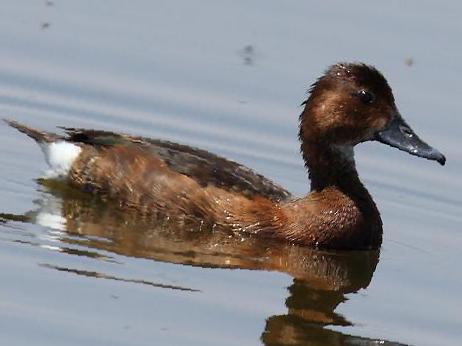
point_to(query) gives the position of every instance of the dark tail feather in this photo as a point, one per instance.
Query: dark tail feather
(38, 136)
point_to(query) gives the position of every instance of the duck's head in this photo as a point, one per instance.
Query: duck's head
(352, 103)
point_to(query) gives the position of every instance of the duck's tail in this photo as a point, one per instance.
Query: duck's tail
(59, 154)
(37, 135)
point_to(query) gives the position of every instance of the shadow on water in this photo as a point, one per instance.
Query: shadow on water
(321, 279)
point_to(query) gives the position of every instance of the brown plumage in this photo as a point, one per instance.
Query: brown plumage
(350, 104)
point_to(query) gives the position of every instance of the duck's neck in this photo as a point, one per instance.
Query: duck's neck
(332, 172)
(331, 166)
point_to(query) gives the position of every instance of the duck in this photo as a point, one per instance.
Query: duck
(349, 104)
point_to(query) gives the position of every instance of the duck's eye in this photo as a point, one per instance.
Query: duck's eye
(366, 96)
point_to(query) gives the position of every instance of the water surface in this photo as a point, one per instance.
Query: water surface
(228, 77)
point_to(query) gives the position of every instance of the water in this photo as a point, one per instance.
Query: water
(227, 77)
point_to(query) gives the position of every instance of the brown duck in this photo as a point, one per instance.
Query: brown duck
(351, 103)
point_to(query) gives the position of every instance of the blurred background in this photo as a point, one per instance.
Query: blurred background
(227, 76)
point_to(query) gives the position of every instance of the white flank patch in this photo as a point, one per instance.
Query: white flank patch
(60, 156)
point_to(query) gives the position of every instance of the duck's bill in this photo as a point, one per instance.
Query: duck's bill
(398, 134)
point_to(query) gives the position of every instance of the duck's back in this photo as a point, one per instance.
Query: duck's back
(207, 168)
(151, 169)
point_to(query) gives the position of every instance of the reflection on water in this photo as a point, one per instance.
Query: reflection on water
(87, 227)
(111, 277)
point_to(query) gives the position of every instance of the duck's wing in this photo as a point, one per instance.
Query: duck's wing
(202, 166)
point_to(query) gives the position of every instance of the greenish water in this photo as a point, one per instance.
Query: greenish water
(227, 77)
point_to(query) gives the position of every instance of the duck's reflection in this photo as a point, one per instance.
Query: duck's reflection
(320, 279)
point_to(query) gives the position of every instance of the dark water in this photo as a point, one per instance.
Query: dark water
(228, 77)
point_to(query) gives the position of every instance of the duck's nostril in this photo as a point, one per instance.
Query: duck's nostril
(407, 131)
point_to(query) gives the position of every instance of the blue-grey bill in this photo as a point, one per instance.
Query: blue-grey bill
(399, 134)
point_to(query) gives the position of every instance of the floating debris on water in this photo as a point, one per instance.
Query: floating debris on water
(409, 61)
(248, 54)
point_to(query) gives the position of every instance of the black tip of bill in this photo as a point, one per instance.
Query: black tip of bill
(437, 156)
(398, 134)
